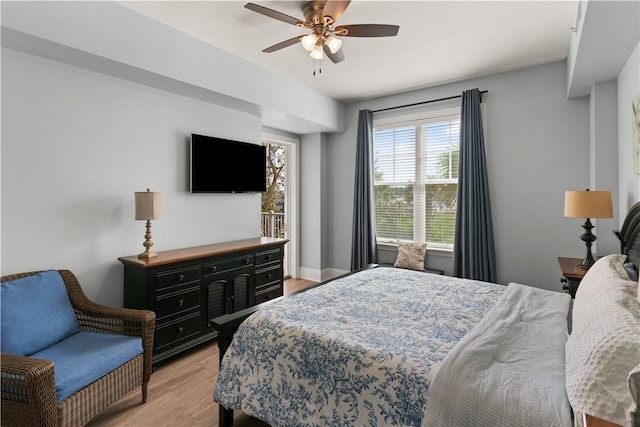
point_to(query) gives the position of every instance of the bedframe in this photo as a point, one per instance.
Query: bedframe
(293, 365)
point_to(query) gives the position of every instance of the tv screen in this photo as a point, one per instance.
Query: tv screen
(221, 165)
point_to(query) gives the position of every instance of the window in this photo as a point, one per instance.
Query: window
(416, 177)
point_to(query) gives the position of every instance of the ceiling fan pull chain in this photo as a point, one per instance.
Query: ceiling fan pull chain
(317, 62)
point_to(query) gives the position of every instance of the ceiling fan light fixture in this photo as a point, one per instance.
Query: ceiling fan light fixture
(320, 18)
(333, 43)
(316, 52)
(309, 41)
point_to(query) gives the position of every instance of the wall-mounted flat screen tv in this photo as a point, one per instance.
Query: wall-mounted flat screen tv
(221, 165)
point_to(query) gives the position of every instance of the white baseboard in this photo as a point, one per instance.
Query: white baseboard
(330, 273)
(310, 274)
(320, 275)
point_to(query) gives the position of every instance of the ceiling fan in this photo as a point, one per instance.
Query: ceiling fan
(320, 17)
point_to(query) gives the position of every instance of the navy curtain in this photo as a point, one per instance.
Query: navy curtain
(474, 249)
(364, 249)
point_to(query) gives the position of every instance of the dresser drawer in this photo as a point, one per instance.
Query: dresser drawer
(214, 267)
(177, 276)
(268, 275)
(268, 293)
(171, 332)
(266, 257)
(174, 303)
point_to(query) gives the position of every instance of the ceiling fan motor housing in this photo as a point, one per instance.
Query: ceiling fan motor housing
(313, 13)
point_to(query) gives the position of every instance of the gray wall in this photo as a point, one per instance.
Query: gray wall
(537, 147)
(628, 88)
(91, 115)
(603, 158)
(315, 170)
(311, 206)
(76, 145)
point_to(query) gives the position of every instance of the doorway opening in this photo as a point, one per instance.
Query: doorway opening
(279, 205)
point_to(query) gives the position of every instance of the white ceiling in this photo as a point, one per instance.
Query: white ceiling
(438, 41)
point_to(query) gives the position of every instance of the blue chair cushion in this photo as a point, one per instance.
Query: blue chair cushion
(35, 312)
(86, 357)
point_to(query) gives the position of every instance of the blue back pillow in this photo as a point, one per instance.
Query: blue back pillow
(35, 312)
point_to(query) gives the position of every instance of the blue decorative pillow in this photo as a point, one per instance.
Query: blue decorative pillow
(35, 312)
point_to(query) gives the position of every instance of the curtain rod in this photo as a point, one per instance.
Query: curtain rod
(426, 102)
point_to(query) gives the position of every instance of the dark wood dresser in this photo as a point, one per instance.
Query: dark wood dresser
(187, 287)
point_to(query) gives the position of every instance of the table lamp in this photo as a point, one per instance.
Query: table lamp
(588, 204)
(148, 207)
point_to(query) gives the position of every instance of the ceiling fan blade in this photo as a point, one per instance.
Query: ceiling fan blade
(335, 9)
(282, 45)
(275, 14)
(367, 30)
(334, 57)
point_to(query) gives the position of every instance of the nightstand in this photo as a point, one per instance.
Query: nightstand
(571, 274)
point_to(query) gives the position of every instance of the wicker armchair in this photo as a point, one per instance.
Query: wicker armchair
(28, 391)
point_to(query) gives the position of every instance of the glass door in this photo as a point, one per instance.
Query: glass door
(279, 202)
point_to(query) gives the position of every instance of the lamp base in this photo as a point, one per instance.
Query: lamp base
(588, 238)
(587, 262)
(147, 244)
(147, 254)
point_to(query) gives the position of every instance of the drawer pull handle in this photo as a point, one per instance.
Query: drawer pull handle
(180, 303)
(268, 257)
(246, 261)
(268, 276)
(212, 269)
(180, 277)
(180, 330)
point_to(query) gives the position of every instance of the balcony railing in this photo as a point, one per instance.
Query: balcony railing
(273, 224)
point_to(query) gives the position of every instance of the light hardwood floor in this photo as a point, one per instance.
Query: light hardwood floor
(181, 391)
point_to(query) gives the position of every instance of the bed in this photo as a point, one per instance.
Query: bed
(394, 347)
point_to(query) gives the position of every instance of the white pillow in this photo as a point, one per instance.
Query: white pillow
(603, 351)
(411, 255)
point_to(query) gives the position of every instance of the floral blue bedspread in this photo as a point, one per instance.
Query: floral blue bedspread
(359, 351)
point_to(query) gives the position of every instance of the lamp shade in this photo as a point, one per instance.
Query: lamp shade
(148, 205)
(588, 204)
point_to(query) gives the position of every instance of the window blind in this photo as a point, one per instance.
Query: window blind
(415, 179)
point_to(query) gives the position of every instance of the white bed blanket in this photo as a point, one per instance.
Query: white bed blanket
(509, 370)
